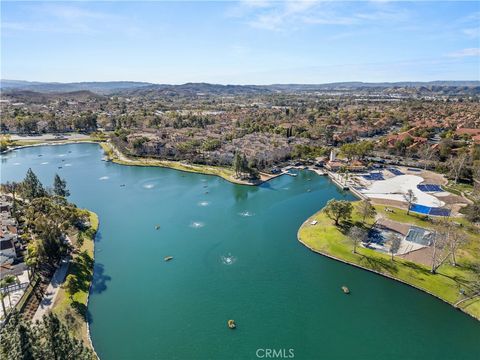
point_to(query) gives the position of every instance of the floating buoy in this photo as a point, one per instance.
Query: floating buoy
(346, 290)
(168, 258)
(231, 324)
(157, 227)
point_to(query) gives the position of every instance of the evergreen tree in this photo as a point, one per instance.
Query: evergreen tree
(237, 164)
(60, 186)
(32, 187)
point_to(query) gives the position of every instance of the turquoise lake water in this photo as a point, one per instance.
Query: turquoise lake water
(236, 256)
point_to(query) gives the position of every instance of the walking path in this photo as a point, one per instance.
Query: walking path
(52, 290)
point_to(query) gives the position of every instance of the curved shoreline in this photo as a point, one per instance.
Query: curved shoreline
(116, 156)
(311, 248)
(89, 336)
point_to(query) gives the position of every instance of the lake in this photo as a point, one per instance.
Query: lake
(236, 256)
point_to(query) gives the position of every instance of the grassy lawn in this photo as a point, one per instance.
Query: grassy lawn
(326, 238)
(71, 302)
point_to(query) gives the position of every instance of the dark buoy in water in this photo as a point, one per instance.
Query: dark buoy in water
(157, 227)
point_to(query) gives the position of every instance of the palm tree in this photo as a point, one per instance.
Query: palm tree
(7, 281)
(3, 304)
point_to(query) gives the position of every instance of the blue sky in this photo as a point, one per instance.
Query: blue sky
(245, 42)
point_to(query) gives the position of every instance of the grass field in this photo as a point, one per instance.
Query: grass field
(71, 302)
(327, 239)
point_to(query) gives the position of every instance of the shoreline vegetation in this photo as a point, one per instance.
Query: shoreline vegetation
(116, 156)
(447, 284)
(71, 303)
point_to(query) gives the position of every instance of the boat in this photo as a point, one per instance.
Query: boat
(231, 324)
(122, 185)
(157, 227)
(345, 289)
(168, 258)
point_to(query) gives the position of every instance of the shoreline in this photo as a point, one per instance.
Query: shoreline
(87, 323)
(116, 156)
(63, 305)
(323, 253)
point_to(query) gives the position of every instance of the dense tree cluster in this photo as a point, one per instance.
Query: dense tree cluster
(48, 339)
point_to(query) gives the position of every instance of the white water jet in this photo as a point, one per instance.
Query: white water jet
(197, 224)
(104, 178)
(228, 259)
(204, 203)
(246, 213)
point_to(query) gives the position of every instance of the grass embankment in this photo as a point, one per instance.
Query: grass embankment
(223, 172)
(327, 239)
(71, 302)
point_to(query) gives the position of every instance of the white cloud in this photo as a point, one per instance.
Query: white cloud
(465, 53)
(291, 14)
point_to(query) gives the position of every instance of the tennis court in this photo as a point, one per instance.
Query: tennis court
(395, 171)
(427, 210)
(419, 236)
(429, 188)
(373, 176)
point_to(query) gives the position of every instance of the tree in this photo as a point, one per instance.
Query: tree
(366, 210)
(456, 240)
(237, 164)
(32, 187)
(338, 210)
(357, 235)
(427, 153)
(410, 198)
(440, 251)
(12, 187)
(395, 243)
(47, 339)
(457, 164)
(60, 186)
(5, 282)
(2, 297)
(472, 212)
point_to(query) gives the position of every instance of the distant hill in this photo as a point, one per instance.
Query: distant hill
(196, 89)
(36, 97)
(46, 87)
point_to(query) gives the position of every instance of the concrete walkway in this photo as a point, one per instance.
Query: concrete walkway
(52, 290)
